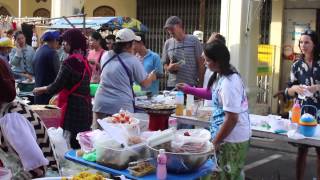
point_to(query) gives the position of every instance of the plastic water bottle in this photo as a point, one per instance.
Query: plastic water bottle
(34, 42)
(179, 103)
(296, 112)
(162, 165)
(189, 105)
(172, 122)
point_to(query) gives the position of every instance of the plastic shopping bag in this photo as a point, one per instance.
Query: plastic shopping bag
(5, 174)
(59, 142)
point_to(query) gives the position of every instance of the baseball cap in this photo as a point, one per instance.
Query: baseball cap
(172, 20)
(126, 35)
(50, 35)
(6, 42)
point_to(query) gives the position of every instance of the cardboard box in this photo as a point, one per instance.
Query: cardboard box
(49, 114)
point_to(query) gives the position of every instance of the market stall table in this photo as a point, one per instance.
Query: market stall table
(256, 131)
(202, 171)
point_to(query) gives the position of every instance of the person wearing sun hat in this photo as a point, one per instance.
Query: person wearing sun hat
(5, 48)
(46, 64)
(120, 68)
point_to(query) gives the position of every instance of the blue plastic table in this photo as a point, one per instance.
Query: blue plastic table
(202, 171)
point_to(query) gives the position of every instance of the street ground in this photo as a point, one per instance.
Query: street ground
(274, 160)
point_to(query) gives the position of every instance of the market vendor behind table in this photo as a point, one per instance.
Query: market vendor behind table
(229, 124)
(72, 84)
(46, 64)
(119, 69)
(21, 58)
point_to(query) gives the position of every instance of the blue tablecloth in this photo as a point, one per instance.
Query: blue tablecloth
(202, 171)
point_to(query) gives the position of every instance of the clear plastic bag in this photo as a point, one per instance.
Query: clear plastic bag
(190, 140)
(59, 142)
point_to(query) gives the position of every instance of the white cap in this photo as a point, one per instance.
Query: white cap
(126, 35)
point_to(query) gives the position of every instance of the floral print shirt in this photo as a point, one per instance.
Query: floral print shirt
(302, 74)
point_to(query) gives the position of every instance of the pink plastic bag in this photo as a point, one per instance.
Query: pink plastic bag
(5, 174)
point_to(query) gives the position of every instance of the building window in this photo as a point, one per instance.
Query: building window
(104, 11)
(265, 21)
(42, 12)
(4, 11)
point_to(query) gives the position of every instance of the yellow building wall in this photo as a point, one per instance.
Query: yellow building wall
(27, 7)
(11, 6)
(122, 7)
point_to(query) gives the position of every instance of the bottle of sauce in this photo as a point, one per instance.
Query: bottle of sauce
(179, 103)
(162, 165)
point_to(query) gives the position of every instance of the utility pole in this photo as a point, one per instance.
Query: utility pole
(19, 8)
(202, 14)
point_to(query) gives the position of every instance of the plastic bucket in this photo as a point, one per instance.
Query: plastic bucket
(307, 131)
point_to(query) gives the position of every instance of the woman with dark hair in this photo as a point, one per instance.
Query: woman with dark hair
(97, 47)
(305, 76)
(229, 123)
(73, 82)
(110, 39)
(21, 58)
(120, 68)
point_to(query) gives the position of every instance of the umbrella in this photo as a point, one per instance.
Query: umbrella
(124, 22)
(109, 23)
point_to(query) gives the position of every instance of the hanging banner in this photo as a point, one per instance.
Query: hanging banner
(265, 59)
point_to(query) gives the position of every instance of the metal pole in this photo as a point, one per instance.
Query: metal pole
(19, 8)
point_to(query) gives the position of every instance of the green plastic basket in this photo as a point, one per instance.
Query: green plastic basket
(93, 89)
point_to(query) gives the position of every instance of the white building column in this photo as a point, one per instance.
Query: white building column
(240, 25)
(276, 29)
(66, 7)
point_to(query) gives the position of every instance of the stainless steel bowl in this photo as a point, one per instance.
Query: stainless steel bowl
(182, 162)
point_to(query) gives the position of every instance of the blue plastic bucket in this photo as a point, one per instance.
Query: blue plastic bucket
(307, 131)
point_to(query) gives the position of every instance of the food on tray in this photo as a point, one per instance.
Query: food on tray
(158, 106)
(141, 169)
(186, 133)
(79, 153)
(85, 176)
(123, 117)
(134, 140)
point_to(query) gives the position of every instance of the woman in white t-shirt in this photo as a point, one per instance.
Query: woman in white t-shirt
(229, 123)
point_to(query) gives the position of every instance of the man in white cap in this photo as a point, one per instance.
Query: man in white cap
(181, 56)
